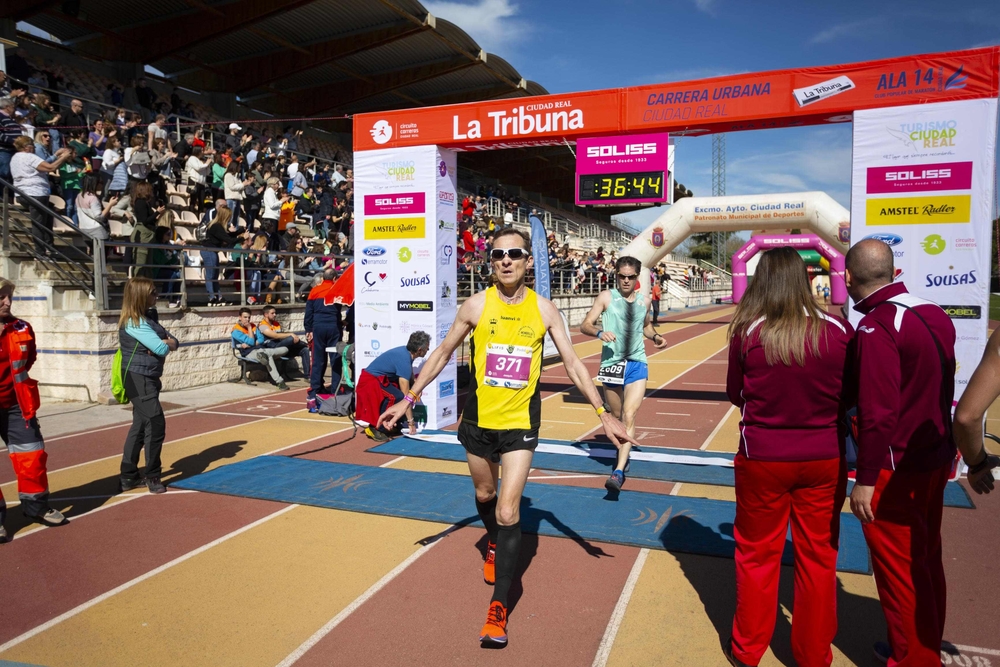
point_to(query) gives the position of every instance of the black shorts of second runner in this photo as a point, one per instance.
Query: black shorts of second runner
(489, 444)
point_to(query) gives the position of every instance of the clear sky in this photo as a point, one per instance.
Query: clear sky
(574, 45)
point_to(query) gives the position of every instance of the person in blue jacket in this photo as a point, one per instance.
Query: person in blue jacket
(144, 345)
(322, 324)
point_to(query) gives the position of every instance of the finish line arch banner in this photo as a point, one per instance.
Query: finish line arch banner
(923, 181)
(405, 223)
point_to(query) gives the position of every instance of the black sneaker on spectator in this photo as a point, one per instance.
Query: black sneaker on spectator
(155, 485)
(727, 649)
(127, 484)
(282, 386)
(174, 304)
(50, 518)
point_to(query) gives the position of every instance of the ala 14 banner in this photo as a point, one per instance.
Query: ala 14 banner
(922, 182)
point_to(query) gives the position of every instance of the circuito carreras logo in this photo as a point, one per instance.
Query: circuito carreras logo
(381, 132)
(933, 244)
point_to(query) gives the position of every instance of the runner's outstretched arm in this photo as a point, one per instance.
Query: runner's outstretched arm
(983, 389)
(578, 373)
(468, 315)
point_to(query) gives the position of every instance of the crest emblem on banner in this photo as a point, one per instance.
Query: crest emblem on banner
(656, 237)
(844, 232)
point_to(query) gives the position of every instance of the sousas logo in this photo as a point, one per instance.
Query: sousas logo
(950, 280)
(415, 281)
(619, 151)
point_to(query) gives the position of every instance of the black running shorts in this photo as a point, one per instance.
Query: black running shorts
(489, 444)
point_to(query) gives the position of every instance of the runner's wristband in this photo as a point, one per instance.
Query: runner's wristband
(598, 334)
(410, 398)
(604, 408)
(982, 465)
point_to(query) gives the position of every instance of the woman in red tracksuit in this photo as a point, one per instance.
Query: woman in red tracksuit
(787, 362)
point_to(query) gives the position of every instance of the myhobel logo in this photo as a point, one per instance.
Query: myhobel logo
(933, 244)
(381, 132)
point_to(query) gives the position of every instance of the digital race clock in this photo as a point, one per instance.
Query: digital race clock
(631, 185)
(627, 169)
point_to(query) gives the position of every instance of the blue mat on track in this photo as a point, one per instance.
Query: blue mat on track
(599, 460)
(655, 521)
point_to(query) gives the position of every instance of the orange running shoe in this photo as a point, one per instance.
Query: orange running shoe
(489, 567)
(495, 630)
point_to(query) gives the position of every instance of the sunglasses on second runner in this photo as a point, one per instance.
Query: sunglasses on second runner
(497, 254)
(628, 276)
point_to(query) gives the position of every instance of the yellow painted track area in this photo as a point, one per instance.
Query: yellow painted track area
(188, 578)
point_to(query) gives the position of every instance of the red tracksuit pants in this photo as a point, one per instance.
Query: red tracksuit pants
(768, 494)
(905, 543)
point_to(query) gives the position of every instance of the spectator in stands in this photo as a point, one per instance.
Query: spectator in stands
(97, 136)
(156, 130)
(145, 95)
(146, 212)
(142, 369)
(47, 117)
(113, 168)
(138, 160)
(217, 236)
(337, 176)
(218, 176)
(656, 293)
(92, 216)
(233, 188)
(165, 265)
(196, 170)
(245, 335)
(233, 137)
(786, 374)
(270, 335)
(30, 175)
(9, 131)
(299, 180)
(69, 174)
(273, 201)
(75, 118)
(253, 153)
(43, 145)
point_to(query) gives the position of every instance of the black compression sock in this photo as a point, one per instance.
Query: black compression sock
(488, 513)
(508, 553)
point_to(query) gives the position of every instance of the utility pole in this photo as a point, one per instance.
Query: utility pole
(719, 190)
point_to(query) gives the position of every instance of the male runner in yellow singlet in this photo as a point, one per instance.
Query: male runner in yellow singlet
(625, 321)
(502, 414)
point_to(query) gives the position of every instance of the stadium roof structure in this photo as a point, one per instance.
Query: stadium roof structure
(301, 58)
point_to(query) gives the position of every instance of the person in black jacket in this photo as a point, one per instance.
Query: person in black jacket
(217, 236)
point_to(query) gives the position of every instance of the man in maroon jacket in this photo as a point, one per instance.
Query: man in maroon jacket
(906, 382)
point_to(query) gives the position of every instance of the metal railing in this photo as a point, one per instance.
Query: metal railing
(65, 257)
(242, 276)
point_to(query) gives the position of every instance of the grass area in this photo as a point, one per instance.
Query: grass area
(994, 306)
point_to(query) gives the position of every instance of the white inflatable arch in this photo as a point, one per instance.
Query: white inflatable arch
(813, 211)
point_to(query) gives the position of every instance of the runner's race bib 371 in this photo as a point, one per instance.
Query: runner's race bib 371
(612, 373)
(507, 366)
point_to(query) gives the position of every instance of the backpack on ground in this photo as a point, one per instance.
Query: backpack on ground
(118, 375)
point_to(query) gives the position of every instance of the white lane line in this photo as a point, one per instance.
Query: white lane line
(675, 414)
(138, 580)
(118, 456)
(676, 491)
(618, 615)
(718, 427)
(132, 496)
(271, 400)
(664, 385)
(558, 477)
(663, 428)
(317, 636)
(389, 463)
(15, 503)
(676, 400)
(976, 649)
(299, 419)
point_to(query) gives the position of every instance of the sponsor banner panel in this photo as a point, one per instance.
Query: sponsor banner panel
(922, 183)
(399, 278)
(748, 101)
(445, 260)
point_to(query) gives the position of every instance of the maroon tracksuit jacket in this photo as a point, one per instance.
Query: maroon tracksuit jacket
(901, 410)
(792, 413)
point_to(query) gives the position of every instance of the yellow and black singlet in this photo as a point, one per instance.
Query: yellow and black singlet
(506, 365)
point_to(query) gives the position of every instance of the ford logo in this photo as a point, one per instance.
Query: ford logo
(374, 251)
(888, 239)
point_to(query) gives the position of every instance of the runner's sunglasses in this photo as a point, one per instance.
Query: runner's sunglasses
(497, 254)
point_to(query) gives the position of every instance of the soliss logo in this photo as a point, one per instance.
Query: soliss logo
(615, 151)
(393, 201)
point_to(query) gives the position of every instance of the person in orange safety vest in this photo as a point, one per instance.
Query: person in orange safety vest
(18, 425)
